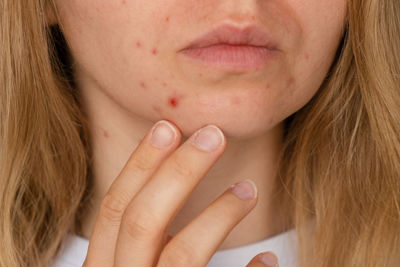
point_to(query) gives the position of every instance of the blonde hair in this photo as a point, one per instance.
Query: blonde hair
(340, 166)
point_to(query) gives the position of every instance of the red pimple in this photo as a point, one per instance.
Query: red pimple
(106, 134)
(143, 85)
(154, 51)
(123, 2)
(174, 100)
(167, 19)
(138, 44)
(307, 56)
(267, 86)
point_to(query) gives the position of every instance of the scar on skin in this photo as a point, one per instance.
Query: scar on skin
(173, 100)
(154, 51)
(138, 44)
(143, 85)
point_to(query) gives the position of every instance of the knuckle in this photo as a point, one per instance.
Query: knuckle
(141, 164)
(112, 208)
(179, 254)
(140, 224)
(180, 166)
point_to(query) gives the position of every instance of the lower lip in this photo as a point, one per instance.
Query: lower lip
(232, 56)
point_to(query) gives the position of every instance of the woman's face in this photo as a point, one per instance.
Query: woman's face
(133, 52)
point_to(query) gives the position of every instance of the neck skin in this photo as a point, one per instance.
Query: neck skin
(115, 133)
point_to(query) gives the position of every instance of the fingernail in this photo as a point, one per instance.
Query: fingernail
(269, 259)
(246, 189)
(208, 138)
(163, 134)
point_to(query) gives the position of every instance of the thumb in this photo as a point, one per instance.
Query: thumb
(268, 259)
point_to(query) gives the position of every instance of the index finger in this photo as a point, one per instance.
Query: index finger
(154, 207)
(138, 169)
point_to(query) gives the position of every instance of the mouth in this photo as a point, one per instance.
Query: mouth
(233, 48)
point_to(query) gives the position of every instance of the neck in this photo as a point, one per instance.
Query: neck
(115, 133)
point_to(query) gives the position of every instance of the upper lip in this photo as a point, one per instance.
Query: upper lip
(251, 35)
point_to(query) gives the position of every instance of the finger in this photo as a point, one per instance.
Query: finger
(136, 172)
(153, 208)
(264, 259)
(195, 244)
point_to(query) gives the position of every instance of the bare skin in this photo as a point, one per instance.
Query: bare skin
(130, 73)
(130, 229)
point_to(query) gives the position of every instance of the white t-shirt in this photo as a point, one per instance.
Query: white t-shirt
(284, 245)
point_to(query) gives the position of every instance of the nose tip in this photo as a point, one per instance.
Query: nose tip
(242, 11)
(241, 20)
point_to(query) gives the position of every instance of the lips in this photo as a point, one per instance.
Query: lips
(230, 48)
(230, 35)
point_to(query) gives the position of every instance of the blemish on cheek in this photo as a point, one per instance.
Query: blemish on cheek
(200, 74)
(253, 17)
(143, 85)
(164, 84)
(138, 44)
(307, 56)
(123, 2)
(267, 86)
(105, 134)
(174, 100)
(154, 51)
(157, 109)
(167, 19)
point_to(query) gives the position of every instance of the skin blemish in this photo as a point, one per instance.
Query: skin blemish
(157, 109)
(154, 51)
(174, 100)
(267, 86)
(200, 74)
(167, 19)
(143, 85)
(307, 56)
(123, 2)
(164, 84)
(253, 17)
(138, 44)
(105, 133)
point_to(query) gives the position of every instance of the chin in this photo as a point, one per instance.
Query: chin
(233, 128)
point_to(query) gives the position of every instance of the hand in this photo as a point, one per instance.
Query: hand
(142, 201)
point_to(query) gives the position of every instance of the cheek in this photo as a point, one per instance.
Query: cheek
(134, 68)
